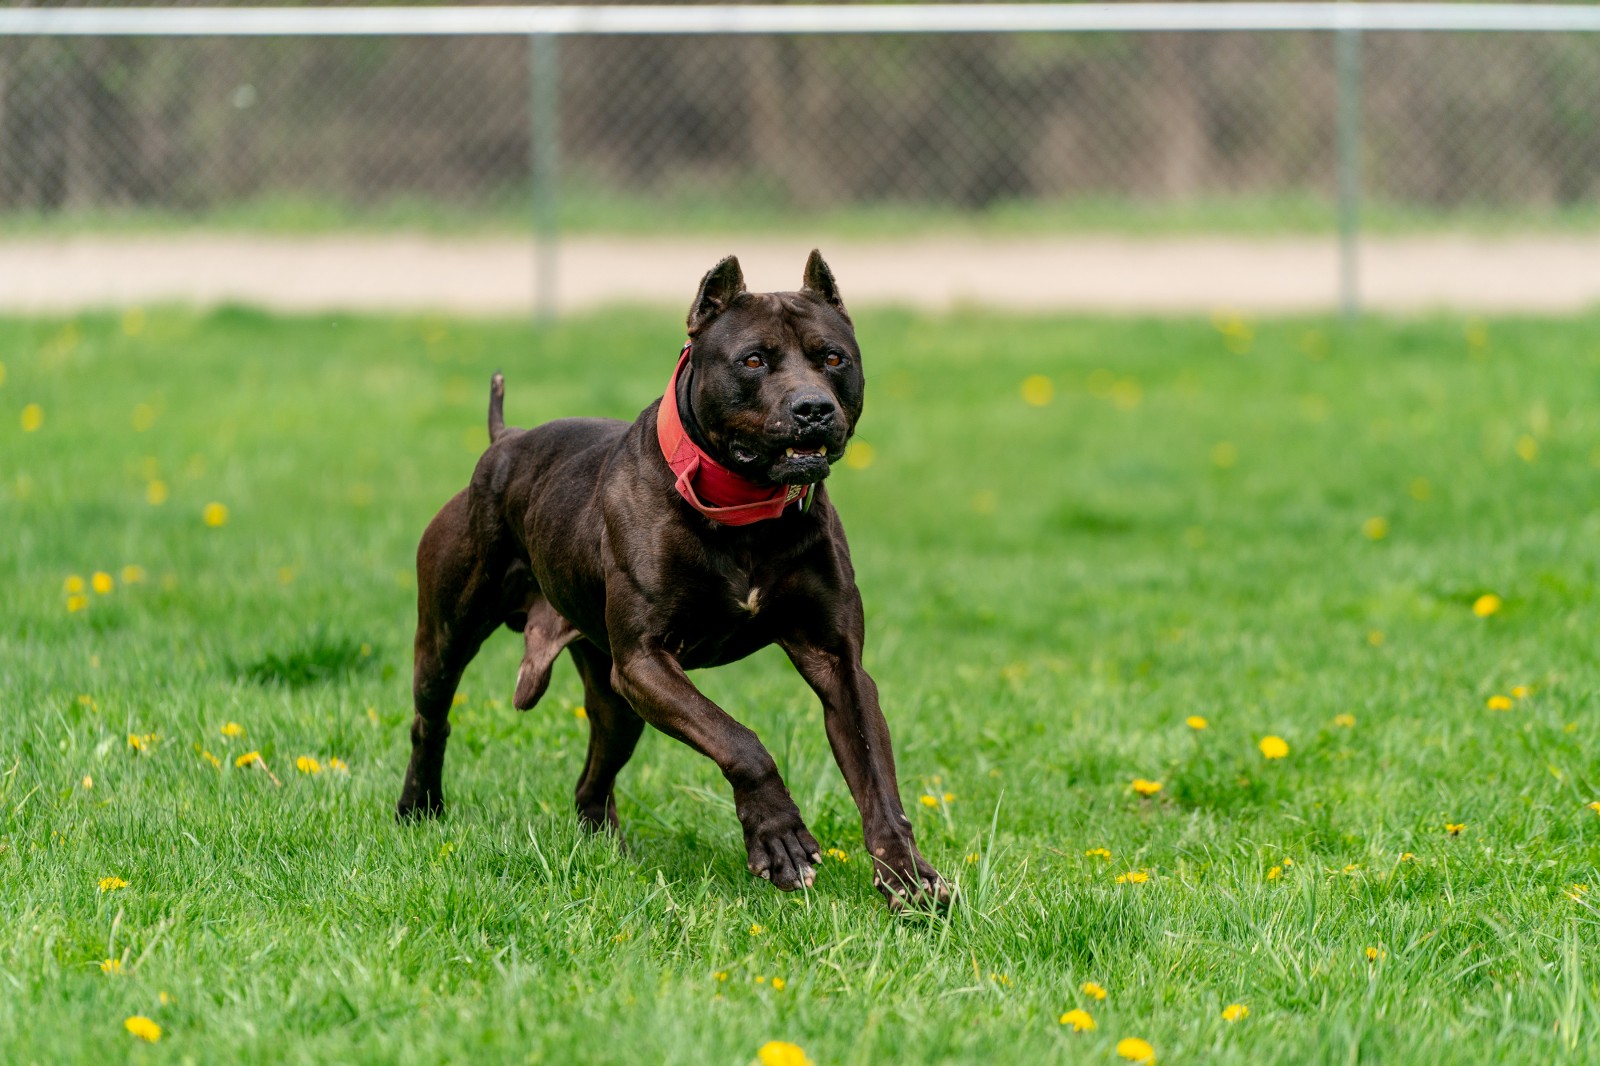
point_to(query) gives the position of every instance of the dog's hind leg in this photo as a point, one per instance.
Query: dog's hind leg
(544, 634)
(614, 729)
(460, 597)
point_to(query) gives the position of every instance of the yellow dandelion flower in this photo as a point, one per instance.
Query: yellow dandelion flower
(1037, 390)
(215, 514)
(757, 929)
(1079, 1019)
(132, 575)
(87, 782)
(1274, 873)
(1234, 1012)
(1527, 448)
(721, 975)
(1287, 861)
(1407, 856)
(1136, 1050)
(1375, 528)
(1092, 990)
(111, 884)
(580, 712)
(928, 801)
(142, 741)
(1274, 747)
(77, 602)
(1576, 892)
(1345, 721)
(232, 729)
(308, 765)
(948, 797)
(247, 758)
(1373, 954)
(167, 998)
(782, 1053)
(210, 758)
(110, 965)
(1195, 722)
(1352, 868)
(972, 858)
(32, 417)
(1133, 877)
(859, 455)
(1487, 604)
(1520, 692)
(143, 1028)
(837, 854)
(1595, 806)
(1103, 853)
(72, 585)
(338, 765)
(778, 984)
(1498, 702)
(1454, 828)
(155, 493)
(1000, 979)
(1146, 788)
(1375, 637)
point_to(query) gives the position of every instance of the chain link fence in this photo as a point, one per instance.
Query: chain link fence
(1112, 131)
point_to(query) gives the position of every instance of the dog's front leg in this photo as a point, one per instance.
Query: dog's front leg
(779, 846)
(859, 735)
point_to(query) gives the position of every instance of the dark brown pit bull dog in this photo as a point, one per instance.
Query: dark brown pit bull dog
(689, 538)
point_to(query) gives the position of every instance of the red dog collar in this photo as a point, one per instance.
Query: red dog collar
(708, 486)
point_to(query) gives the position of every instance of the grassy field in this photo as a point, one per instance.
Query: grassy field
(1072, 535)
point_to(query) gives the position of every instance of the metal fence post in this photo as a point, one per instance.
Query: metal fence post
(1348, 62)
(544, 76)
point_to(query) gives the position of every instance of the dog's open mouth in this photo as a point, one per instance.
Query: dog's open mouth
(789, 464)
(801, 464)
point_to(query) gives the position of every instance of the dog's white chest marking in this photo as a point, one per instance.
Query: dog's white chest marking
(752, 602)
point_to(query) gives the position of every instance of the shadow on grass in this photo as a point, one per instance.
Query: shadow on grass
(314, 660)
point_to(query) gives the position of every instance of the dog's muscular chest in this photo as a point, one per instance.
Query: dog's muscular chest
(720, 615)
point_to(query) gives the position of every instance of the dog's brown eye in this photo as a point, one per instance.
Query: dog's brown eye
(754, 361)
(834, 359)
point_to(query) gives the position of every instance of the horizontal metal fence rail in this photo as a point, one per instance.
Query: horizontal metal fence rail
(799, 19)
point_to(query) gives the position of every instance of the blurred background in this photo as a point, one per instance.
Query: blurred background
(1147, 170)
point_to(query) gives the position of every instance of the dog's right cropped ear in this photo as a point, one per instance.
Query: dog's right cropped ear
(718, 288)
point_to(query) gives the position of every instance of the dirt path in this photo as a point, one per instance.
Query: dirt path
(495, 275)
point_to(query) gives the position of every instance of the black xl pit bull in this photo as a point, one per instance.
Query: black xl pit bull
(692, 537)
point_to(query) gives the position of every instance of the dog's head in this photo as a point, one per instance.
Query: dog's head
(776, 385)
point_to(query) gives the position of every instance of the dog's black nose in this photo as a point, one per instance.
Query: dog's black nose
(813, 407)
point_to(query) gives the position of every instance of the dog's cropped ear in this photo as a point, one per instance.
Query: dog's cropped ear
(819, 282)
(718, 289)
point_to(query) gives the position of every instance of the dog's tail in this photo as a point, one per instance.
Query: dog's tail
(497, 404)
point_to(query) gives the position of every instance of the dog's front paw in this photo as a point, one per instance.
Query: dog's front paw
(781, 848)
(905, 878)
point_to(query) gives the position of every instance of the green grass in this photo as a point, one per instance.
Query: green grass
(1050, 591)
(588, 209)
